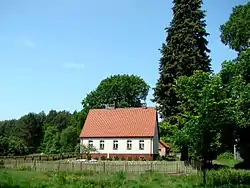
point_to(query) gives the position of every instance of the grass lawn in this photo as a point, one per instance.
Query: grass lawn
(28, 179)
(227, 162)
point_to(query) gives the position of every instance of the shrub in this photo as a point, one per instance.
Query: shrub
(89, 156)
(110, 159)
(129, 158)
(116, 158)
(96, 158)
(103, 158)
(171, 158)
(229, 177)
(1, 164)
(159, 158)
(123, 158)
(136, 158)
(226, 155)
(143, 158)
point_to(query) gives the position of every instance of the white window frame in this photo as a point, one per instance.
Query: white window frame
(115, 144)
(101, 144)
(90, 143)
(129, 144)
(141, 144)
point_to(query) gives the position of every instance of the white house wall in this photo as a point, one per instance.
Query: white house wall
(122, 145)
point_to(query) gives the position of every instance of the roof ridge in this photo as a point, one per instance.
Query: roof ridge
(124, 108)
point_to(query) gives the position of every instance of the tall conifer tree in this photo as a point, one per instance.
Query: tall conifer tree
(184, 51)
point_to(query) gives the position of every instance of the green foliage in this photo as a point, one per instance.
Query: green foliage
(226, 155)
(87, 150)
(123, 158)
(52, 133)
(136, 158)
(103, 158)
(184, 52)
(121, 90)
(235, 32)
(68, 139)
(130, 158)
(116, 158)
(221, 178)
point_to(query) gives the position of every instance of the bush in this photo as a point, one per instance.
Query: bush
(103, 158)
(136, 158)
(143, 158)
(89, 156)
(116, 158)
(159, 158)
(1, 164)
(130, 159)
(123, 158)
(229, 177)
(171, 158)
(226, 155)
(110, 159)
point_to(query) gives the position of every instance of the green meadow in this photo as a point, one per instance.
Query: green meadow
(30, 179)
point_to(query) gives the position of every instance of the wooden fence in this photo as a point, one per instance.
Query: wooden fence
(171, 167)
(44, 157)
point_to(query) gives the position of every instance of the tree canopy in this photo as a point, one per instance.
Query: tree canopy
(236, 31)
(121, 90)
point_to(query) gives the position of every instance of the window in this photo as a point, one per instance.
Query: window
(141, 144)
(102, 144)
(129, 144)
(90, 143)
(115, 144)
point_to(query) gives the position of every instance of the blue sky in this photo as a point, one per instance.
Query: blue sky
(52, 53)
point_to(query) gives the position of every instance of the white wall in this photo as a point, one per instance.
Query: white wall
(122, 145)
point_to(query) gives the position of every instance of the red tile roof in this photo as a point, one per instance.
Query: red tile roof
(120, 122)
(164, 144)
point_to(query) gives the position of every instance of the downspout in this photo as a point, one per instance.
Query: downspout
(152, 142)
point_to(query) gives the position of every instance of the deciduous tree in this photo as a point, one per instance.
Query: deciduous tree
(236, 31)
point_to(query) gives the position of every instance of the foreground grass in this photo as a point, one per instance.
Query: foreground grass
(29, 179)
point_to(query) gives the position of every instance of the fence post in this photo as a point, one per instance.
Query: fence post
(15, 163)
(151, 166)
(34, 165)
(104, 166)
(72, 166)
(126, 166)
(58, 168)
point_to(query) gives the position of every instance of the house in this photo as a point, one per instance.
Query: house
(163, 148)
(122, 132)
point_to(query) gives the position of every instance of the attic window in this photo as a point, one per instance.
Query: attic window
(115, 144)
(141, 144)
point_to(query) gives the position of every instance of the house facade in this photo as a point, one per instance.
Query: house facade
(122, 132)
